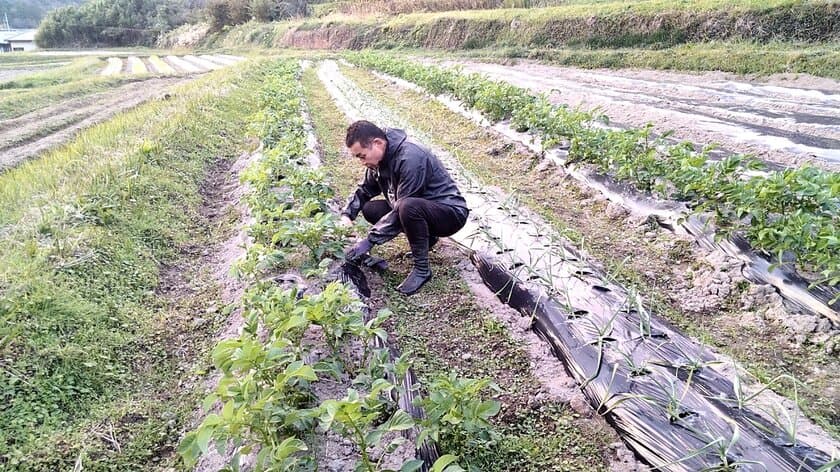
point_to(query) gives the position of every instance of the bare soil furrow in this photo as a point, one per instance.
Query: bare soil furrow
(32, 134)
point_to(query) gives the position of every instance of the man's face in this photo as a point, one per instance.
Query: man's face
(371, 155)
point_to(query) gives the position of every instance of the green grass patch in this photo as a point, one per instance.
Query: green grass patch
(79, 69)
(88, 346)
(579, 9)
(24, 59)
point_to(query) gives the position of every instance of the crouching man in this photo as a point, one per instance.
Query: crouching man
(420, 198)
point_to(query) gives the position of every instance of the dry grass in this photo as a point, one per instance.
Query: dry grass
(397, 7)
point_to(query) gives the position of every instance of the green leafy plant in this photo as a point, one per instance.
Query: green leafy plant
(263, 389)
(357, 417)
(456, 414)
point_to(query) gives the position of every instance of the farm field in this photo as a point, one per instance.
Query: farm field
(782, 120)
(648, 278)
(45, 106)
(218, 264)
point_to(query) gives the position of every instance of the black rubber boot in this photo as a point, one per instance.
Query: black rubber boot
(432, 241)
(421, 272)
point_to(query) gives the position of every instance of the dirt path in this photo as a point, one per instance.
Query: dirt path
(27, 136)
(784, 120)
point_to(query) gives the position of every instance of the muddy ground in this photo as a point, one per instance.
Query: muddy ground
(785, 119)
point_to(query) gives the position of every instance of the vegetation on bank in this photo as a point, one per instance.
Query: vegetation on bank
(397, 7)
(652, 24)
(90, 349)
(140, 22)
(746, 37)
(113, 22)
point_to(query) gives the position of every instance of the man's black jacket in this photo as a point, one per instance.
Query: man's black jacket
(406, 170)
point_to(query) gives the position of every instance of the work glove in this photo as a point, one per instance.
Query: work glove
(376, 263)
(355, 252)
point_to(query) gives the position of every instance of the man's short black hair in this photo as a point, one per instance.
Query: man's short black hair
(363, 132)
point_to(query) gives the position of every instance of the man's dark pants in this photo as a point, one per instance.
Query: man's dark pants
(420, 219)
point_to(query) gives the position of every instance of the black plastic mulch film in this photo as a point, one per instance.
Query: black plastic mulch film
(705, 410)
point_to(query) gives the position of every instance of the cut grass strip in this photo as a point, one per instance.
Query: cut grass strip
(136, 66)
(29, 59)
(160, 66)
(90, 349)
(202, 63)
(183, 66)
(631, 257)
(115, 66)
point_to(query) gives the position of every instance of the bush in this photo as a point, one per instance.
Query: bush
(221, 13)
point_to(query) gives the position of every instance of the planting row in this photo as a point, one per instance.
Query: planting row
(168, 65)
(267, 404)
(789, 213)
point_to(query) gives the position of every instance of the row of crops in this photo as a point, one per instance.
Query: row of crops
(265, 409)
(784, 214)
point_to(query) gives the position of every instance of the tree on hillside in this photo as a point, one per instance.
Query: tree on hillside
(113, 22)
(28, 13)
(221, 13)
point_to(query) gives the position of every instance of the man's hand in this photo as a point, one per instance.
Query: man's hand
(358, 250)
(346, 221)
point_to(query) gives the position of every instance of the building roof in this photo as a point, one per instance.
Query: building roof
(6, 34)
(23, 36)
